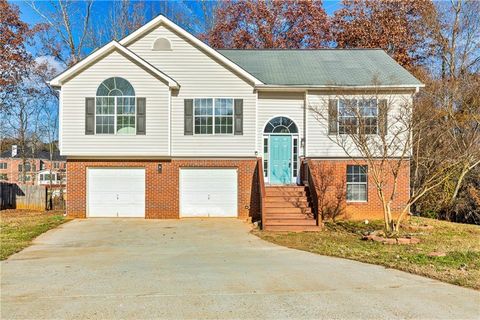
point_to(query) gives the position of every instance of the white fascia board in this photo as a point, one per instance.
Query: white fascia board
(198, 43)
(113, 45)
(268, 87)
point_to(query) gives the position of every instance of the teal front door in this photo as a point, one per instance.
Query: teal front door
(280, 159)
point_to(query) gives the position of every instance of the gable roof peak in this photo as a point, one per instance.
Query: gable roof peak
(163, 20)
(112, 45)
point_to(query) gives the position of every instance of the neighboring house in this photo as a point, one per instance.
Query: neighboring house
(160, 125)
(35, 171)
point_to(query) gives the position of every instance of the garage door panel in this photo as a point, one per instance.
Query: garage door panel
(116, 192)
(208, 192)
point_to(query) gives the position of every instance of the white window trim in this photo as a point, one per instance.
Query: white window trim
(338, 117)
(293, 160)
(266, 157)
(115, 116)
(357, 183)
(213, 117)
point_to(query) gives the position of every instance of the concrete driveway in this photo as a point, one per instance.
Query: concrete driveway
(206, 268)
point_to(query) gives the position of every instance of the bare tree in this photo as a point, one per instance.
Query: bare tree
(330, 193)
(22, 119)
(376, 128)
(63, 17)
(123, 17)
(454, 29)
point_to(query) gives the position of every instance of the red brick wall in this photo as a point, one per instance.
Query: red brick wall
(162, 189)
(15, 176)
(372, 209)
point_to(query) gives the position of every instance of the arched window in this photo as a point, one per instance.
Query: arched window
(115, 86)
(162, 44)
(281, 125)
(115, 107)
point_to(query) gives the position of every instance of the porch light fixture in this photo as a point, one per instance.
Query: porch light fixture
(159, 168)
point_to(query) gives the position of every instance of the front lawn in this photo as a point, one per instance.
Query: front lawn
(448, 252)
(19, 227)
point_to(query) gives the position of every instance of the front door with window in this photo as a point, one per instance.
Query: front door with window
(280, 159)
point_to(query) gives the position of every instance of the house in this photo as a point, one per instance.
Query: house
(160, 125)
(36, 170)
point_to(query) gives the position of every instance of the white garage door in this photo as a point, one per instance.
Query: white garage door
(115, 192)
(208, 193)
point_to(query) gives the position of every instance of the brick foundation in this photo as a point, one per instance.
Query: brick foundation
(372, 209)
(162, 189)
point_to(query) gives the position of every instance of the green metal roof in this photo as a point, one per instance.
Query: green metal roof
(324, 67)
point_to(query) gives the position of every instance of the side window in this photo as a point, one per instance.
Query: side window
(347, 118)
(213, 116)
(356, 116)
(224, 116)
(203, 113)
(357, 177)
(265, 156)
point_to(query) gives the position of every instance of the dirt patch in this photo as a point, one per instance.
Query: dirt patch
(20, 213)
(378, 236)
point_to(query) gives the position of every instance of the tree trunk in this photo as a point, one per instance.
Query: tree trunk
(466, 169)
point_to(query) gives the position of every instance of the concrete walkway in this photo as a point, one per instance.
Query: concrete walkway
(206, 268)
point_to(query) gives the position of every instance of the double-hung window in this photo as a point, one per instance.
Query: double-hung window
(368, 111)
(105, 115)
(357, 177)
(28, 167)
(115, 111)
(3, 165)
(347, 118)
(213, 116)
(126, 115)
(356, 116)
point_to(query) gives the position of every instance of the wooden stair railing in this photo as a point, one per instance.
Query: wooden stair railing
(261, 187)
(307, 174)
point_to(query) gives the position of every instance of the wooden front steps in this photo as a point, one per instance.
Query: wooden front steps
(287, 208)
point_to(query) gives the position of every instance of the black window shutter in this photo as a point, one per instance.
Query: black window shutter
(332, 117)
(188, 116)
(238, 116)
(89, 115)
(382, 117)
(141, 116)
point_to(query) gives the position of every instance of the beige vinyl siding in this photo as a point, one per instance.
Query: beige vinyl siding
(85, 84)
(273, 104)
(318, 142)
(200, 76)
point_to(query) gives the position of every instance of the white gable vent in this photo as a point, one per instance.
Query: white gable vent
(162, 44)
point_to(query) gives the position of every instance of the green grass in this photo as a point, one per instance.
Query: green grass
(459, 242)
(19, 227)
